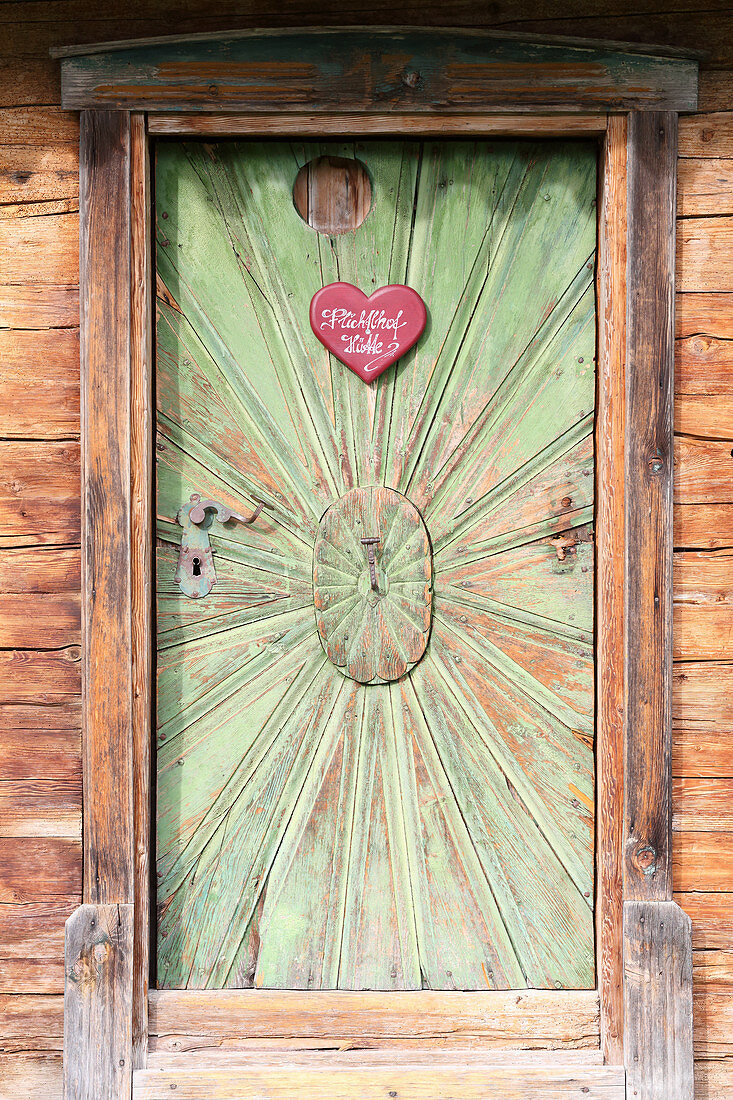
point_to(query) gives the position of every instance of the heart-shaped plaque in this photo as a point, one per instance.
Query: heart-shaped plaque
(367, 334)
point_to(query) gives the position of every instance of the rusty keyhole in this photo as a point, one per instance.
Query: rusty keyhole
(196, 567)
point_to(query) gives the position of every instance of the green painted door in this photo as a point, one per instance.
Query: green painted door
(432, 827)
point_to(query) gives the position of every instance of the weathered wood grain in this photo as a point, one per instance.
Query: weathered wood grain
(658, 1001)
(98, 1002)
(53, 714)
(51, 755)
(712, 971)
(106, 623)
(377, 125)
(31, 1022)
(702, 804)
(712, 919)
(698, 749)
(704, 187)
(32, 946)
(702, 691)
(39, 307)
(713, 1080)
(32, 173)
(39, 493)
(708, 135)
(650, 357)
(39, 388)
(704, 415)
(427, 1082)
(43, 620)
(33, 677)
(41, 867)
(610, 436)
(141, 570)
(715, 90)
(40, 251)
(705, 526)
(705, 254)
(713, 1016)
(415, 70)
(702, 633)
(249, 1019)
(25, 1076)
(40, 808)
(711, 314)
(702, 471)
(703, 861)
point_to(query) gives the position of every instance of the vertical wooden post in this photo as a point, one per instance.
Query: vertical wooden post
(657, 935)
(99, 935)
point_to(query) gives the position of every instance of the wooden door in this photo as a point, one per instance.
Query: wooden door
(395, 795)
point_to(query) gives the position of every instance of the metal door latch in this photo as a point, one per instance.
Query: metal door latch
(195, 575)
(371, 545)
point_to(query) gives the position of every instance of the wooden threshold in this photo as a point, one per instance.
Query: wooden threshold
(256, 1019)
(377, 125)
(551, 1079)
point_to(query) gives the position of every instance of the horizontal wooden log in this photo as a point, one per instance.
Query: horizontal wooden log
(712, 971)
(713, 1024)
(699, 750)
(40, 251)
(410, 70)
(713, 1080)
(41, 620)
(715, 90)
(708, 135)
(704, 415)
(29, 676)
(369, 1057)
(705, 186)
(427, 1082)
(703, 861)
(712, 919)
(40, 808)
(704, 526)
(39, 868)
(703, 471)
(39, 307)
(33, 173)
(39, 493)
(32, 947)
(31, 1022)
(15, 210)
(211, 125)
(702, 804)
(25, 1076)
(39, 386)
(35, 79)
(707, 314)
(704, 364)
(41, 570)
(702, 578)
(702, 633)
(203, 1019)
(42, 126)
(702, 691)
(58, 713)
(705, 254)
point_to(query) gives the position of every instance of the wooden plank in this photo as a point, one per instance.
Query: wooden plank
(39, 493)
(377, 125)
(705, 254)
(701, 750)
(40, 808)
(41, 571)
(713, 1080)
(41, 867)
(53, 714)
(372, 1057)
(610, 441)
(702, 803)
(40, 754)
(715, 90)
(29, 173)
(713, 1016)
(43, 620)
(39, 307)
(105, 357)
(658, 1001)
(427, 1082)
(705, 187)
(703, 526)
(703, 579)
(241, 1019)
(711, 314)
(42, 126)
(29, 676)
(32, 946)
(413, 70)
(39, 387)
(26, 1076)
(702, 691)
(703, 861)
(31, 1022)
(98, 1002)
(141, 569)
(702, 633)
(40, 251)
(708, 135)
(703, 415)
(703, 471)
(712, 919)
(704, 364)
(650, 357)
(712, 971)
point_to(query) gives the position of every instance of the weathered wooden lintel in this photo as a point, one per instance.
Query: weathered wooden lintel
(373, 70)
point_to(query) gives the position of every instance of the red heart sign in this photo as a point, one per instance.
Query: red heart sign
(367, 334)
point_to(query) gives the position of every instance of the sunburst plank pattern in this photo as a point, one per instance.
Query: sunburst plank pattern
(434, 830)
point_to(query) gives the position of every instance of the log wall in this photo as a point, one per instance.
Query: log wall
(40, 769)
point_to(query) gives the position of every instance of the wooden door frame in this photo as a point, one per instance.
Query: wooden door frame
(645, 1023)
